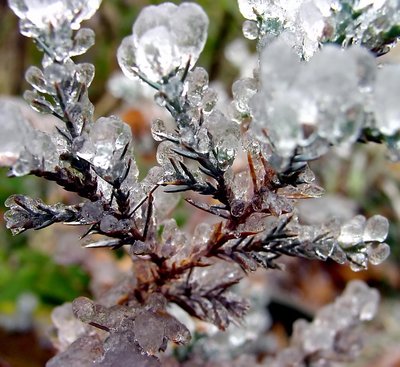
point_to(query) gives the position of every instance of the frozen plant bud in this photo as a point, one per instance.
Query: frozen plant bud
(164, 38)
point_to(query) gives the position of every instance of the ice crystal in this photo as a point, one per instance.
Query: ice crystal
(295, 102)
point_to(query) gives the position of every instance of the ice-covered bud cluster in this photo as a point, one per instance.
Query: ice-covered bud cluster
(305, 24)
(32, 14)
(66, 83)
(52, 22)
(372, 24)
(334, 334)
(302, 24)
(300, 104)
(363, 241)
(164, 38)
(302, 108)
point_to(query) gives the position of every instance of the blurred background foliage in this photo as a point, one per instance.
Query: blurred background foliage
(360, 180)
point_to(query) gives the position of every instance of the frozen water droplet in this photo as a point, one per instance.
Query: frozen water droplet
(338, 255)
(376, 229)
(83, 40)
(250, 29)
(210, 99)
(359, 261)
(243, 90)
(364, 300)
(237, 207)
(158, 129)
(38, 102)
(378, 253)
(203, 141)
(325, 249)
(85, 73)
(165, 153)
(34, 76)
(196, 84)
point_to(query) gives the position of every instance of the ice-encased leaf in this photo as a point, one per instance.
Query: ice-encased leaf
(83, 40)
(164, 37)
(378, 253)
(351, 232)
(34, 76)
(376, 229)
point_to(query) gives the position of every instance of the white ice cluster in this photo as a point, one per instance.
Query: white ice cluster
(164, 38)
(39, 16)
(301, 23)
(363, 241)
(305, 24)
(334, 334)
(304, 107)
(52, 23)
